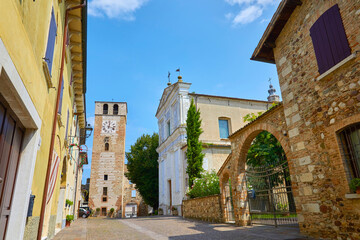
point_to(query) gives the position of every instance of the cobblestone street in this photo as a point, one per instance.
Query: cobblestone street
(162, 228)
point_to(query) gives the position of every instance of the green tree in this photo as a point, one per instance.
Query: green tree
(194, 146)
(143, 168)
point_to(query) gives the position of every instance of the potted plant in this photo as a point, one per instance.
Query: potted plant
(97, 212)
(69, 219)
(68, 203)
(174, 211)
(112, 212)
(355, 185)
(160, 211)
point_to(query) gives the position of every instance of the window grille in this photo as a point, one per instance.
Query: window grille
(105, 191)
(350, 143)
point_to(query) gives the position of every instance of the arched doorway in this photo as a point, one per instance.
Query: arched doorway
(131, 210)
(227, 199)
(268, 183)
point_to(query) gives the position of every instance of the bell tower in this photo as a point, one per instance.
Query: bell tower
(108, 156)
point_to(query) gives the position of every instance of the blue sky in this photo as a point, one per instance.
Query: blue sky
(132, 44)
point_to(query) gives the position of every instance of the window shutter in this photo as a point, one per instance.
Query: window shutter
(51, 41)
(61, 96)
(321, 45)
(335, 29)
(67, 125)
(329, 39)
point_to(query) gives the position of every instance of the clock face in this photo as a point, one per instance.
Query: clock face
(108, 126)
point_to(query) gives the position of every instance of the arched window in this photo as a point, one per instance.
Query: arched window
(106, 146)
(116, 109)
(105, 109)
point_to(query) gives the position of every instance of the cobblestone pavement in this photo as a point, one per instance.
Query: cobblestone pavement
(169, 228)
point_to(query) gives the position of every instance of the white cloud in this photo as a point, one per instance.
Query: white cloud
(239, 2)
(250, 10)
(248, 15)
(229, 16)
(123, 9)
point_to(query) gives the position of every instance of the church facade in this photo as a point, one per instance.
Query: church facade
(220, 117)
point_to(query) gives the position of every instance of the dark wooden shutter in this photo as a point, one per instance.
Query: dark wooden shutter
(51, 41)
(329, 39)
(337, 37)
(61, 96)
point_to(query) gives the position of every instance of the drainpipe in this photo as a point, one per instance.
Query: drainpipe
(43, 205)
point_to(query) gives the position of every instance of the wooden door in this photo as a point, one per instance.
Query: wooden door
(11, 136)
(170, 193)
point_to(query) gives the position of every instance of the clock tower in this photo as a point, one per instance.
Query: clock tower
(108, 156)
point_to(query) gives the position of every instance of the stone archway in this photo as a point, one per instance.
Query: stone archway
(272, 121)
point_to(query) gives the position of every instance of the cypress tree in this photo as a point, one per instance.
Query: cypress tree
(194, 146)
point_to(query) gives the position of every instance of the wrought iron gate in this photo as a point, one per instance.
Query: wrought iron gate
(270, 197)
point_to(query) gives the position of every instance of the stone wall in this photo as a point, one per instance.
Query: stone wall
(110, 162)
(203, 208)
(315, 110)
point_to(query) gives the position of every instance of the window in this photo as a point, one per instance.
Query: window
(130, 182)
(105, 177)
(67, 125)
(106, 146)
(51, 41)
(350, 143)
(105, 191)
(104, 199)
(105, 109)
(133, 193)
(61, 96)
(168, 128)
(103, 211)
(329, 39)
(116, 109)
(224, 128)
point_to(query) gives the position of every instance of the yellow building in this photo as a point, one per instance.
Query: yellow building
(42, 114)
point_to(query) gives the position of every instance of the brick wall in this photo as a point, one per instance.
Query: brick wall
(204, 208)
(111, 162)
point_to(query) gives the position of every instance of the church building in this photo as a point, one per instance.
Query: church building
(220, 116)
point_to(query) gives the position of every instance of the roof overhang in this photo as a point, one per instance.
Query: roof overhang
(264, 50)
(77, 25)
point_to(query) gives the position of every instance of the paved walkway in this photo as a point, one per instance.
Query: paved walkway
(169, 228)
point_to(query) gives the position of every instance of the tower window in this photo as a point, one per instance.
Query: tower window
(105, 109)
(106, 146)
(104, 199)
(105, 177)
(133, 193)
(116, 109)
(105, 191)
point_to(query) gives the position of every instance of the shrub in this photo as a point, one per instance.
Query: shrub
(173, 208)
(207, 185)
(69, 218)
(112, 210)
(156, 212)
(98, 209)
